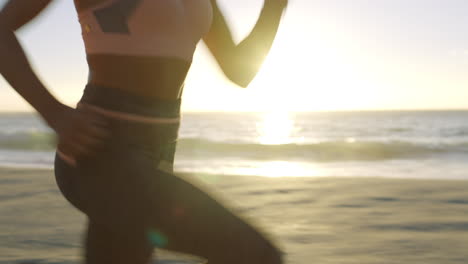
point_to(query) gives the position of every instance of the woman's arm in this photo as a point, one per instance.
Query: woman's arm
(77, 132)
(13, 64)
(240, 63)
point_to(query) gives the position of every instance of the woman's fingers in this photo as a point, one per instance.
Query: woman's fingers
(81, 134)
(96, 132)
(90, 143)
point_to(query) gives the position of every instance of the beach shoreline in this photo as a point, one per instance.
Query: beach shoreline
(314, 220)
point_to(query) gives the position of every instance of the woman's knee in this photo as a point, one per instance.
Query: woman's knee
(274, 256)
(261, 251)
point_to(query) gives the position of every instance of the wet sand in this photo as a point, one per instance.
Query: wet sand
(314, 220)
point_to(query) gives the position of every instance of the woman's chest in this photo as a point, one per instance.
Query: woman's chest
(164, 17)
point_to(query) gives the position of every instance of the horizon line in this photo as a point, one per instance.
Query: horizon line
(293, 111)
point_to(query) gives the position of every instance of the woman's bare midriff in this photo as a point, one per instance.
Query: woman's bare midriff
(156, 77)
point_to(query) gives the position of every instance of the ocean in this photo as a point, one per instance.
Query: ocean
(396, 144)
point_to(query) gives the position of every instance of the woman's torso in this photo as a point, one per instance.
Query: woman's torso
(142, 46)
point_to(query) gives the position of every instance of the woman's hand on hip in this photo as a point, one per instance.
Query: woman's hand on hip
(79, 133)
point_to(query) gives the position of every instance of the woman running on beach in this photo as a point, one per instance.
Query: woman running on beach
(116, 149)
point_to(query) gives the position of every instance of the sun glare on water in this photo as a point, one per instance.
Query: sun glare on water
(275, 128)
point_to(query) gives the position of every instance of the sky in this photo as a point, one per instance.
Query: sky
(328, 55)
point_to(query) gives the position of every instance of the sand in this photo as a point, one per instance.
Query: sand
(315, 220)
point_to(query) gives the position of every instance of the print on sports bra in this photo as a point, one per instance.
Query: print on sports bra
(113, 18)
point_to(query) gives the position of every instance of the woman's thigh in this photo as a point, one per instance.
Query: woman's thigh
(190, 220)
(103, 245)
(109, 189)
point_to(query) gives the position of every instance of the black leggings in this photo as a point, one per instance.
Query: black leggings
(134, 203)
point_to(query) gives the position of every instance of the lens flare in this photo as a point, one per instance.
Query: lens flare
(157, 239)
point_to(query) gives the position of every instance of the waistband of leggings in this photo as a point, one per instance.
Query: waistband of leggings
(111, 100)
